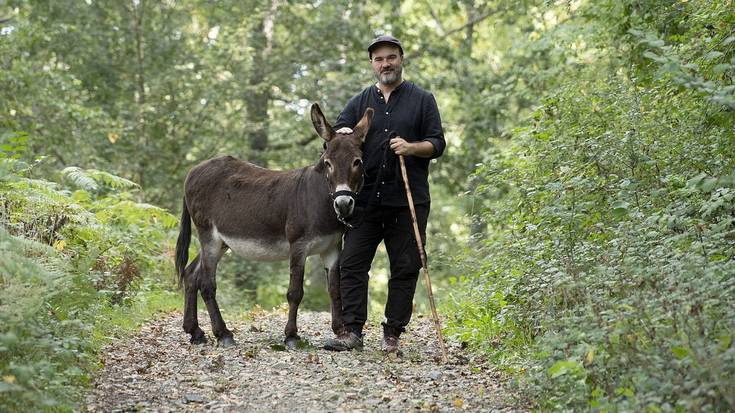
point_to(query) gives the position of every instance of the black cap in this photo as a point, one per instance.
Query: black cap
(384, 39)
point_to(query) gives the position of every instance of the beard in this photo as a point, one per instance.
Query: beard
(390, 77)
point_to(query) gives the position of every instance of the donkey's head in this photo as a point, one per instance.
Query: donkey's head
(342, 160)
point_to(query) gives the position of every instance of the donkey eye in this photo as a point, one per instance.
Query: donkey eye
(329, 164)
(357, 163)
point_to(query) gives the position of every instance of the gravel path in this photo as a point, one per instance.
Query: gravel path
(158, 370)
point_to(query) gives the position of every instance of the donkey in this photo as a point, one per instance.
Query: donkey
(268, 215)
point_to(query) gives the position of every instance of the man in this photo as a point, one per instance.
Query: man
(406, 122)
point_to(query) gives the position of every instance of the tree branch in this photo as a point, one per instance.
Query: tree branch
(473, 21)
(435, 17)
(285, 145)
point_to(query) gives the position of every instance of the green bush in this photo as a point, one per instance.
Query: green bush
(73, 257)
(607, 279)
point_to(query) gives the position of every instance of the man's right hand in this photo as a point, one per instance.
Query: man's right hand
(344, 131)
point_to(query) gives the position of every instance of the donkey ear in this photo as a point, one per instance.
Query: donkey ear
(323, 128)
(363, 126)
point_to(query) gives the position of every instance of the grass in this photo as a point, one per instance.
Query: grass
(114, 322)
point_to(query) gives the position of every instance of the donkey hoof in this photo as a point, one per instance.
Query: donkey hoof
(226, 341)
(198, 339)
(292, 343)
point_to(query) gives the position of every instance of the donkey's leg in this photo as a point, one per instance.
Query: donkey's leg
(212, 250)
(295, 294)
(330, 259)
(191, 324)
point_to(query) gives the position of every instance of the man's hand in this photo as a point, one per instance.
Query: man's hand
(421, 149)
(344, 131)
(401, 147)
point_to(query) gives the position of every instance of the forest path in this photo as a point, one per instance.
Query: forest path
(158, 370)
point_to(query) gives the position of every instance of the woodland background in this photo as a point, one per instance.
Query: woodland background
(582, 229)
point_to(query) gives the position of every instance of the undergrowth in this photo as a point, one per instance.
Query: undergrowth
(606, 281)
(80, 263)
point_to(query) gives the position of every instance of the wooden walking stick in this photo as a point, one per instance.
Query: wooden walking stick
(422, 253)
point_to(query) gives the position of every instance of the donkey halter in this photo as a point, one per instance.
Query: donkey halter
(345, 192)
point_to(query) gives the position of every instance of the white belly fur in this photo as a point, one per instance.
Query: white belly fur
(260, 250)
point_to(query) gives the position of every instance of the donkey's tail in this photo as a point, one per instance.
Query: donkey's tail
(182, 244)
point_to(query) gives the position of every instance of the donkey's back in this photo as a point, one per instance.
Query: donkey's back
(242, 200)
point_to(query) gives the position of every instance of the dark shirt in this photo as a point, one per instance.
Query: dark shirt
(411, 113)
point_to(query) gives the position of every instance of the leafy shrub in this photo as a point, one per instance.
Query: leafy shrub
(71, 256)
(607, 276)
(42, 345)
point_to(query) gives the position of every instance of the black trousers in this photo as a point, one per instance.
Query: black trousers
(394, 226)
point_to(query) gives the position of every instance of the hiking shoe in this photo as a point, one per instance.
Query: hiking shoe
(390, 345)
(343, 342)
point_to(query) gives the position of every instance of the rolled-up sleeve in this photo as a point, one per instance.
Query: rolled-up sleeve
(432, 126)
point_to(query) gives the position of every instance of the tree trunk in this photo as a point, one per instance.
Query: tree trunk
(137, 8)
(258, 94)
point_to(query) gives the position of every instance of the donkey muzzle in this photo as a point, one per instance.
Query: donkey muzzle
(344, 203)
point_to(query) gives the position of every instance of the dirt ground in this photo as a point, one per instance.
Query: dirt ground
(158, 370)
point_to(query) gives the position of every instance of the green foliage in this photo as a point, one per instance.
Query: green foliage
(605, 279)
(76, 267)
(88, 179)
(148, 89)
(39, 359)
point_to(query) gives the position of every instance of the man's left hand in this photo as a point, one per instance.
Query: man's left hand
(401, 147)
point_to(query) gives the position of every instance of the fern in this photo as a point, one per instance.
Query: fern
(80, 178)
(134, 213)
(91, 179)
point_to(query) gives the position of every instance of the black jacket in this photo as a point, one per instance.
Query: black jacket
(412, 114)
